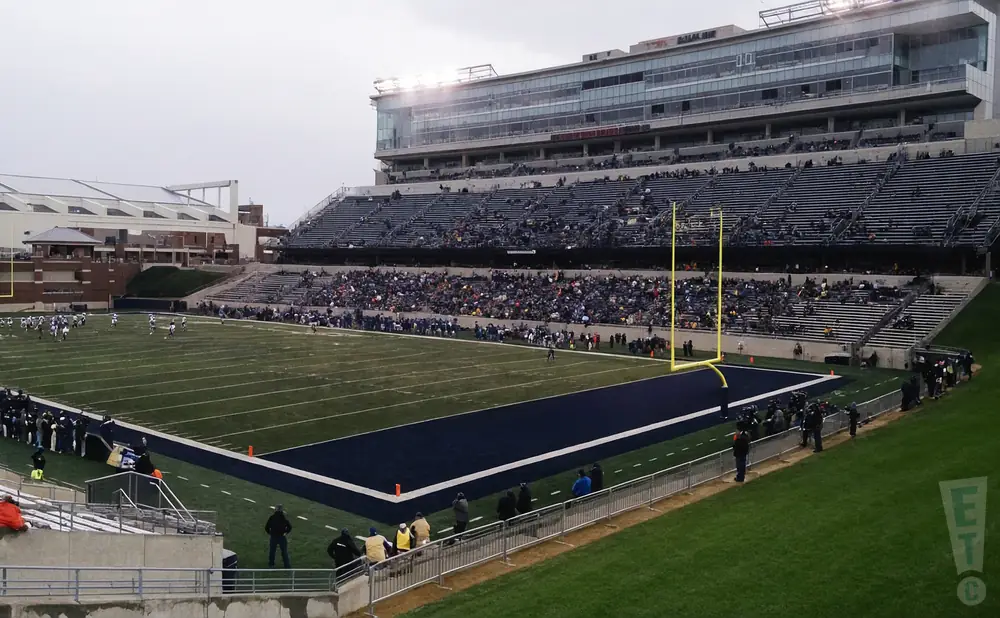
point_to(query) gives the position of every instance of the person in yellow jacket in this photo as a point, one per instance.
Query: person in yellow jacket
(421, 530)
(404, 540)
(376, 546)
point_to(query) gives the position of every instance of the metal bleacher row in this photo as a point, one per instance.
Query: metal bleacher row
(932, 201)
(67, 517)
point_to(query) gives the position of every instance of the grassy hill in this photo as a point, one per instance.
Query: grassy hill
(170, 282)
(858, 531)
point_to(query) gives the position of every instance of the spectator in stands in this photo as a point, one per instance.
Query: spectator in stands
(80, 425)
(596, 478)
(581, 487)
(343, 550)
(38, 465)
(421, 530)
(10, 515)
(278, 527)
(507, 506)
(377, 547)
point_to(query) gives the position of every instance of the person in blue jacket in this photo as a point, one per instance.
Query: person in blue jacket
(582, 485)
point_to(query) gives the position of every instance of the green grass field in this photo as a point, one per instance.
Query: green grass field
(857, 531)
(274, 386)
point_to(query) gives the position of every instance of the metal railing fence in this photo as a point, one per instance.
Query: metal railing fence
(143, 582)
(74, 517)
(497, 541)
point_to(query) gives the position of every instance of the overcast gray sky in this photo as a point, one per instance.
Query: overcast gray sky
(274, 94)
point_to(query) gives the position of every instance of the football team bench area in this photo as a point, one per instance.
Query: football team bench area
(478, 445)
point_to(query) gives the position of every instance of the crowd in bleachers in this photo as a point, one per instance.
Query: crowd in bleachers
(773, 307)
(865, 202)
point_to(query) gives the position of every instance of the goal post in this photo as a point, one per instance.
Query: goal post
(717, 358)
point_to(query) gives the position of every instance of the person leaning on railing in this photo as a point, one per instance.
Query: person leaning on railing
(343, 550)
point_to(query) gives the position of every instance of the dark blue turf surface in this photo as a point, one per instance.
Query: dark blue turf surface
(430, 452)
(425, 453)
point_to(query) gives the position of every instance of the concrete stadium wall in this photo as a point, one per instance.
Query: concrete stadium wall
(351, 598)
(63, 550)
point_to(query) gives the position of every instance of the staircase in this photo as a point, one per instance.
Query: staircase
(891, 168)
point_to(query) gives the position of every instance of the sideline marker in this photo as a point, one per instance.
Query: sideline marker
(397, 490)
(250, 451)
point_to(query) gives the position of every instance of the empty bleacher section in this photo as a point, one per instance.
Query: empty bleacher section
(929, 198)
(928, 313)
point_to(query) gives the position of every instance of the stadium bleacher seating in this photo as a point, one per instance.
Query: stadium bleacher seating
(845, 312)
(882, 201)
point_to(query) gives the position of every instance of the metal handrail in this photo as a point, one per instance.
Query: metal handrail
(497, 541)
(80, 583)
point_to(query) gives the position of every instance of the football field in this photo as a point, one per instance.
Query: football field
(277, 386)
(372, 409)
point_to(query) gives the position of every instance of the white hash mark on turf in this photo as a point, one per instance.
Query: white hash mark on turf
(249, 500)
(668, 454)
(302, 518)
(617, 471)
(330, 528)
(637, 465)
(226, 492)
(475, 519)
(684, 449)
(205, 486)
(700, 444)
(554, 493)
(183, 478)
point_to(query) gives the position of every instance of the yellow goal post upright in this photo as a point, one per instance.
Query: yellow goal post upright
(712, 362)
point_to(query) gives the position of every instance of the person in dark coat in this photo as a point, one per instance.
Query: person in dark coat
(38, 460)
(524, 500)
(596, 478)
(278, 527)
(741, 451)
(80, 433)
(507, 507)
(343, 550)
(853, 416)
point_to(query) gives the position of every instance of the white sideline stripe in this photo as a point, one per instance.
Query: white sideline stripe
(386, 497)
(392, 405)
(317, 386)
(639, 358)
(604, 440)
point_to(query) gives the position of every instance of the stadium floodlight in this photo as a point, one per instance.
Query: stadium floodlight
(718, 358)
(434, 79)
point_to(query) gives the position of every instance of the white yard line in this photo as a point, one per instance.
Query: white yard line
(386, 361)
(393, 405)
(285, 364)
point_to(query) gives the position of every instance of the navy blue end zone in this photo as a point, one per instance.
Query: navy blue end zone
(492, 449)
